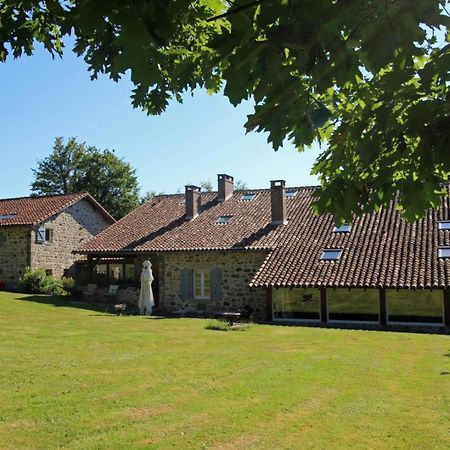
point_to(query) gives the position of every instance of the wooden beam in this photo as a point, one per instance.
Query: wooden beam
(383, 307)
(91, 266)
(269, 304)
(323, 305)
(446, 299)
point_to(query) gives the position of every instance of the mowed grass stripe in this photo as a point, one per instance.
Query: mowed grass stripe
(78, 378)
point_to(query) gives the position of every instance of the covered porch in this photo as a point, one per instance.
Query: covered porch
(116, 278)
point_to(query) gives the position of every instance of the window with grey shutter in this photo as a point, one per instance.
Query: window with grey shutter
(216, 284)
(40, 235)
(186, 284)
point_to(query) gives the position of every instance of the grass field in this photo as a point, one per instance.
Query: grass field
(77, 378)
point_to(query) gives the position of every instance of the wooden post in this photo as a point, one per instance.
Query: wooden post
(446, 299)
(383, 307)
(323, 305)
(269, 304)
(90, 260)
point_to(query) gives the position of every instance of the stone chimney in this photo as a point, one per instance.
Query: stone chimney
(225, 187)
(193, 201)
(278, 202)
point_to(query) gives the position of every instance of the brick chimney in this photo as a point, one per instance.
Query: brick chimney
(278, 202)
(225, 187)
(193, 201)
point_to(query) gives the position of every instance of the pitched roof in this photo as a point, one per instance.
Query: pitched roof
(160, 225)
(381, 249)
(34, 210)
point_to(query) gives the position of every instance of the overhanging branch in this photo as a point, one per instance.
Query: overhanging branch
(236, 10)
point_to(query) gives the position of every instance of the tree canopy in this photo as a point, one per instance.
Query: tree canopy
(75, 167)
(367, 78)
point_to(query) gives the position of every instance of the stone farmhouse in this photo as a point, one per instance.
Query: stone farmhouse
(43, 232)
(266, 250)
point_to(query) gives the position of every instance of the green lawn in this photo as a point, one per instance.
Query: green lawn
(76, 378)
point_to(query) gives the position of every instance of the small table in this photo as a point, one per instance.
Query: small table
(230, 317)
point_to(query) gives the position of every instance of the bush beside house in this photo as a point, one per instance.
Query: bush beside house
(38, 282)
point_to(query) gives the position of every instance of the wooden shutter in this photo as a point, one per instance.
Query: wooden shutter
(216, 284)
(186, 284)
(40, 235)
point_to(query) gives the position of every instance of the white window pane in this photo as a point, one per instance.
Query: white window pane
(331, 254)
(344, 228)
(444, 252)
(444, 225)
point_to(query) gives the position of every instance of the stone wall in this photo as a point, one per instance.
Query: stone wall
(238, 268)
(13, 253)
(72, 227)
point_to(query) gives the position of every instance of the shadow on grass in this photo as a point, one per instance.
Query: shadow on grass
(66, 302)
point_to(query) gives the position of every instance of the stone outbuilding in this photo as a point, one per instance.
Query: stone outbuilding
(266, 250)
(43, 232)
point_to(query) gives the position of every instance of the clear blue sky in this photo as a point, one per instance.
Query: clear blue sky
(43, 98)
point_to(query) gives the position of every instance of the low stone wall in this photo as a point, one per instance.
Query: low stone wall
(128, 295)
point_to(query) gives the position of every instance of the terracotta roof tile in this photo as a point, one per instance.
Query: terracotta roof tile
(380, 250)
(34, 210)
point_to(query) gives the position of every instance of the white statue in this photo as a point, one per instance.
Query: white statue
(146, 301)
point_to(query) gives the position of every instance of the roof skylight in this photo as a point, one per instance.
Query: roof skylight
(344, 228)
(331, 254)
(444, 224)
(291, 194)
(444, 252)
(247, 197)
(223, 219)
(7, 216)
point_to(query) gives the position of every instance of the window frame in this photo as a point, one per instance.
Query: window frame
(48, 235)
(111, 268)
(441, 249)
(7, 216)
(226, 219)
(347, 229)
(444, 222)
(335, 250)
(205, 292)
(248, 194)
(290, 194)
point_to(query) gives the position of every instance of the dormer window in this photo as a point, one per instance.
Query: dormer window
(444, 224)
(331, 254)
(344, 228)
(223, 219)
(291, 194)
(444, 252)
(247, 197)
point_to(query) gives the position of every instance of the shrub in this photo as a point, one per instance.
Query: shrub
(38, 282)
(217, 325)
(220, 325)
